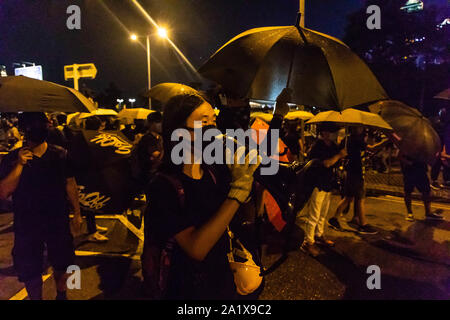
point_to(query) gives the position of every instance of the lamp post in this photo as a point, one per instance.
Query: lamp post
(132, 101)
(302, 13)
(162, 33)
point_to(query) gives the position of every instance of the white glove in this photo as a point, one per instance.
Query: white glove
(242, 172)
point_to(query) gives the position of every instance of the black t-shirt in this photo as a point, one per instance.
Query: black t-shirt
(166, 216)
(41, 193)
(291, 141)
(321, 151)
(356, 149)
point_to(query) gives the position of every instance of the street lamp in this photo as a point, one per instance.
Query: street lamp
(132, 101)
(120, 101)
(162, 33)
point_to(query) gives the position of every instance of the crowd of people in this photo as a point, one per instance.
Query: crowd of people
(190, 205)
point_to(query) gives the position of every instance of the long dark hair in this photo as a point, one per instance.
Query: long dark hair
(176, 112)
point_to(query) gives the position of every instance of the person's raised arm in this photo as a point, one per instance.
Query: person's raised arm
(197, 242)
(10, 182)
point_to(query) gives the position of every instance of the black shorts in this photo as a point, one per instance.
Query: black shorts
(354, 187)
(416, 179)
(28, 252)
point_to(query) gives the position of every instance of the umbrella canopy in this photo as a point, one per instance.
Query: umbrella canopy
(444, 95)
(416, 136)
(267, 117)
(19, 93)
(321, 70)
(102, 170)
(164, 91)
(352, 117)
(129, 115)
(302, 115)
(99, 112)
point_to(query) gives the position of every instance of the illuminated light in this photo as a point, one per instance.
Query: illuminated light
(133, 37)
(153, 22)
(162, 33)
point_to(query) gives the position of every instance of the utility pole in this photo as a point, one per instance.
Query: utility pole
(302, 13)
(149, 71)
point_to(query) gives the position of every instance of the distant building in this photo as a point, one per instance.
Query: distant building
(413, 6)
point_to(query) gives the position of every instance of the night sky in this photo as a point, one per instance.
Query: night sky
(35, 31)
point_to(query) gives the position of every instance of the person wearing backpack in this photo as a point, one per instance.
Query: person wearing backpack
(190, 206)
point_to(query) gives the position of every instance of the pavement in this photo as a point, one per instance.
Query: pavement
(413, 257)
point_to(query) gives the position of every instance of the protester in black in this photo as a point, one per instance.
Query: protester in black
(354, 188)
(415, 175)
(149, 150)
(40, 179)
(196, 218)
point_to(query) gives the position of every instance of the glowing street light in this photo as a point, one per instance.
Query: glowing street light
(163, 34)
(132, 101)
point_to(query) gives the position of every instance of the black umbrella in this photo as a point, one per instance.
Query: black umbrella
(19, 93)
(416, 136)
(103, 171)
(321, 70)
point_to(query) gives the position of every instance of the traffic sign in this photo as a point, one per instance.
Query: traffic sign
(77, 71)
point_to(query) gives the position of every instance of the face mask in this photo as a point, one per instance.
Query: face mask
(202, 131)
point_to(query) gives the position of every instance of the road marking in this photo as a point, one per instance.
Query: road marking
(138, 233)
(23, 294)
(81, 253)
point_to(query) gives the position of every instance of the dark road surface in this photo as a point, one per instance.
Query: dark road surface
(414, 259)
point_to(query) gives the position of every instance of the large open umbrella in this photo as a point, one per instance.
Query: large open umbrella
(352, 117)
(321, 70)
(164, 91)
(129, 115)
(19, 93)
(102, 169)
(416, 136)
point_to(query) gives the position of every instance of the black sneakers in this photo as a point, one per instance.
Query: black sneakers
(367, 229)
(334, 224)
(433, 216)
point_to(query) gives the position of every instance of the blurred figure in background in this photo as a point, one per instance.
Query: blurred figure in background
(415, 175)
(292, 138)
(149, 151)
(354, 188)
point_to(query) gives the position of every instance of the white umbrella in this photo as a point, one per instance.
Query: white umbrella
(351, 117)
(302, 115)
(129, 115)
(99, 112)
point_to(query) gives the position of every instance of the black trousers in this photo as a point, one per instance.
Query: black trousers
(436, 169)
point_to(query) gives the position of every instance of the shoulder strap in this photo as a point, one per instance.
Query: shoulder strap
(176, 183)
